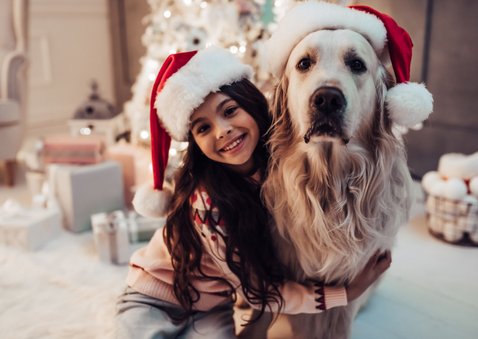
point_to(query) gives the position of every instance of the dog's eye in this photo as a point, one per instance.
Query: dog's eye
(357, 66)
(304, 64)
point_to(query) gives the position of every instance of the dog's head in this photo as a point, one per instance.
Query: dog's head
(329, 58)
(333, 83)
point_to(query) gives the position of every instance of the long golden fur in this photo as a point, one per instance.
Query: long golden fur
(336, 199)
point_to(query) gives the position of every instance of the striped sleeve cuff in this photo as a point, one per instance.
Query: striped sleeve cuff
(327, 297)
(334, 296)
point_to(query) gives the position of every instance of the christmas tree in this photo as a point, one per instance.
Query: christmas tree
(185, 25)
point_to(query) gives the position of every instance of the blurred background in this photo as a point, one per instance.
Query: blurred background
(121, 43)
(75, 82)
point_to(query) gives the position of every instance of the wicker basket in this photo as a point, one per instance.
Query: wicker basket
(454, 221)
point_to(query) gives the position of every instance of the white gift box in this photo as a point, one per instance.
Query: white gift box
(83, 190)
(29, 229)
(110, 233)
(142, 228)
(108, 128)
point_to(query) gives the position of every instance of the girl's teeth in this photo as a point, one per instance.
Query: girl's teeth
(234, 144)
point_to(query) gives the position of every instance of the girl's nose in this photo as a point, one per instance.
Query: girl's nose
(224, 132)
(223, 129)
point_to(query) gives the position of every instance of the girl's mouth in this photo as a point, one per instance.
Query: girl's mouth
(233, 145)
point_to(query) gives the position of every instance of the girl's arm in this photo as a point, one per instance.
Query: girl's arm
(314, 297)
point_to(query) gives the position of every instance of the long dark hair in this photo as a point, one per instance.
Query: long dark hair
(249, 248)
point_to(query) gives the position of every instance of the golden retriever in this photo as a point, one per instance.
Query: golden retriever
(338, 186)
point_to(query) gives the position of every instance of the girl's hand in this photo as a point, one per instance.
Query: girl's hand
(377, 264)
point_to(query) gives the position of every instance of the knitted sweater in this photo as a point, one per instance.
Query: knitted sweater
(151, 271)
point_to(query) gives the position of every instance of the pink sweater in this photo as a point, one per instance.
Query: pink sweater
(151, 271)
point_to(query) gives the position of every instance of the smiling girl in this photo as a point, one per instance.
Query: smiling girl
(216, 241)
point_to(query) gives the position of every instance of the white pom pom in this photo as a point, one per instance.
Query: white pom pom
(438, 189)
(474, 186)
(458, 165)
(430, 179)
(409, 103)
(455, 189)
(150, 202)
(450, 165)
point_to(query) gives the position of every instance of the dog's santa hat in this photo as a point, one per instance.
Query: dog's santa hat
(183, 82)
(408, 103)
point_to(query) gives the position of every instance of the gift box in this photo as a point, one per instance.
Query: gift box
(110, 232)
(109, 129)
(27, 228)
(65, 149)
(136, 164)
(142, 228)
(83, 190)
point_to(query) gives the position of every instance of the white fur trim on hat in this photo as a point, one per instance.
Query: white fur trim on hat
(150, 202)
(186, 89)
(409, 103)
(312, 16)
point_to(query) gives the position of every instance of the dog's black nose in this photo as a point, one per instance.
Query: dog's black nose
(329, 101)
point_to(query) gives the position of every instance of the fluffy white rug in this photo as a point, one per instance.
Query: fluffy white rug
(61, 290)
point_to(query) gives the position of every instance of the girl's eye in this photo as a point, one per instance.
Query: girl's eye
(202, 129)
(229, 111)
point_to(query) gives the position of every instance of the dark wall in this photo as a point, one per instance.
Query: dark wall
(451, 75)
(445, 57)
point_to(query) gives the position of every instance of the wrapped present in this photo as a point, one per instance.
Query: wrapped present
(27, 228)
(136, 164)
(142, 228)
(109, 129)
(65, 149)
(110, 231)
(83, 190)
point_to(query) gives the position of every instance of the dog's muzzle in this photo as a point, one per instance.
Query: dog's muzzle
(327, 106)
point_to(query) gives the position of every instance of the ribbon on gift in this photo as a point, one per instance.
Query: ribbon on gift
(109, 226)
(11, 209)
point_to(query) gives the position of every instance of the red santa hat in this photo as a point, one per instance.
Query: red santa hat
(182, 84)
(408, 103)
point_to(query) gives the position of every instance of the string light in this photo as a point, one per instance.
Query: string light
(85, 131)
(167, 14)
(144, 135)
(233, 49)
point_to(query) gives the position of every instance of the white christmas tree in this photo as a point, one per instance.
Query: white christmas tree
(185, 25)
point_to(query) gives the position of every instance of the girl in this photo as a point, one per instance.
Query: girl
(216, 241)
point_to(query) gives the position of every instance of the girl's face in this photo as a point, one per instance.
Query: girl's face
(225, 132)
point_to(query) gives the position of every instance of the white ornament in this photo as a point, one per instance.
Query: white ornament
(430, 179)
(474, 186)
(455, 189)
(438, 189)
(458, 165)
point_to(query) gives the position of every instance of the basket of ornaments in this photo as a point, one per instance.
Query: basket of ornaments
(452, 199)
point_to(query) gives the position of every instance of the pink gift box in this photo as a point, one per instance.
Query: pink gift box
(65, 149)
(135, 162)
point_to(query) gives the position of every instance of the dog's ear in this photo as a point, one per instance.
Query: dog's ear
(382, 120)
(279, 105)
